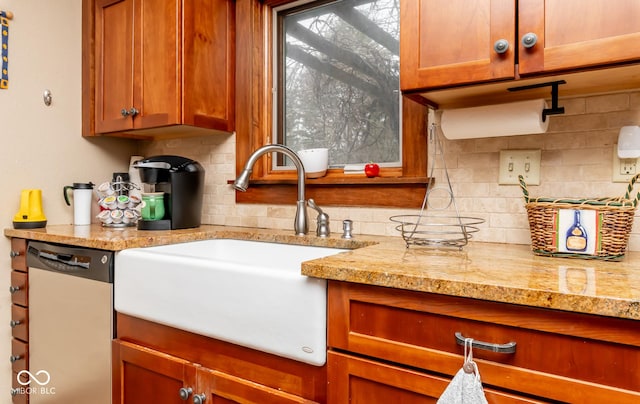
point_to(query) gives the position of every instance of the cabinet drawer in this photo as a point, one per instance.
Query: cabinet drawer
(20, 322)
(19, 288)
(360, 380)
(19, 391)
(19, 254)
(562, 356)
(19, 355)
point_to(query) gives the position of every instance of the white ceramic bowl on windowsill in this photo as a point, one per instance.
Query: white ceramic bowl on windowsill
(315, 162)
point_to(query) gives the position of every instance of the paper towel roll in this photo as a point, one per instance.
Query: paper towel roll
(516, 118)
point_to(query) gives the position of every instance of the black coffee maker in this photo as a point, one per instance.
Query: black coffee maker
(182, 181)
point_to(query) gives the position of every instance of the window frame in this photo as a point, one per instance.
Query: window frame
(401, 187)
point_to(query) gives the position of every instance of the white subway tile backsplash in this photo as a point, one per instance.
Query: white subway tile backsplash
(576, 162)
(607, 103)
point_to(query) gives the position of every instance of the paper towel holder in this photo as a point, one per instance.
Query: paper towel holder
(555, 109)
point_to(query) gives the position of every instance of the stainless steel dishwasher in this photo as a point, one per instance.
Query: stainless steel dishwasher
(71, 323)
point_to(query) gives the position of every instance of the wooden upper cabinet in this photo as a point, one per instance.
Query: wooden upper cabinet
(451, 42)
(448, 43)
(573, 34)
(163, 63)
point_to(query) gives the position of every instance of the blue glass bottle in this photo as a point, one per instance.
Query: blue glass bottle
(576, 235)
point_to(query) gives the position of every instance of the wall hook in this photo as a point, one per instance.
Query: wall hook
(47, 97)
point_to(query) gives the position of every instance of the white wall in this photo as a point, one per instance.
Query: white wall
(40, 146)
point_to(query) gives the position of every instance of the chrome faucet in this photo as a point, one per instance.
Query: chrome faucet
(301, 221)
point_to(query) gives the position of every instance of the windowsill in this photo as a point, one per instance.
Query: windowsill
(387, 192)
(344, 181)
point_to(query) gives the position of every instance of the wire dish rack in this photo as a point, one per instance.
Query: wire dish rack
(439, 223)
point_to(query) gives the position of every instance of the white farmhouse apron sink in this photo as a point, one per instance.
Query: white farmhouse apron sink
(245, 292)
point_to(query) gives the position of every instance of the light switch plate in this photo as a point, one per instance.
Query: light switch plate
(519, 162)
(623, 169)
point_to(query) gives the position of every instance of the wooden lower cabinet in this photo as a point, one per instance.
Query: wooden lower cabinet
(389, 345)
(19, 290)
(143, 375)
(358, 380)
(153, 363)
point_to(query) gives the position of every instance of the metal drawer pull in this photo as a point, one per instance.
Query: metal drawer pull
(509, 347)
(14, 289)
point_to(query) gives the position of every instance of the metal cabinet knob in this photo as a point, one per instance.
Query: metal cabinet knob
(14, 289)
(15, 323)
(529, 40)
(14, 254)
(14, 358)
(133, 111)
(199, 398)
(501, 46)
(184, 393)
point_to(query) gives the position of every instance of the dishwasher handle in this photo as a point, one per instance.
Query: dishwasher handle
(75, 261)
(59, 261)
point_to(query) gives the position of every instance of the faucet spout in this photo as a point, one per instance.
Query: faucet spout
(301, 221)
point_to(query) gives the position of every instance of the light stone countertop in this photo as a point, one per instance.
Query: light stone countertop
(498, 272)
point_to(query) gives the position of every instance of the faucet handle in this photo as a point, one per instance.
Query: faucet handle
(313, 205)
(322, 229)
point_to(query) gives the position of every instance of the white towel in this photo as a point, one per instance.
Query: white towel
(466, 386)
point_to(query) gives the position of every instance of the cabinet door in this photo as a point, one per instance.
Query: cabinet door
(20, 322)
(156, 94)
(141, 375)
(451, 42)
(209, 64)
(219, 387)
(19, 288)
(19, 254)
(362, 381)
(114, 64)
(578, 33)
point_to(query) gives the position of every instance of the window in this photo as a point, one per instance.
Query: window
(402, 186)
(337, 76)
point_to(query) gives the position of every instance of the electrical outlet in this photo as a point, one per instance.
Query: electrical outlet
(623, 169)
(519, 162)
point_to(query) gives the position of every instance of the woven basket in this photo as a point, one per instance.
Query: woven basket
(612, 220)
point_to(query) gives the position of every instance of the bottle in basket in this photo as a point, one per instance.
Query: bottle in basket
(576, 235)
